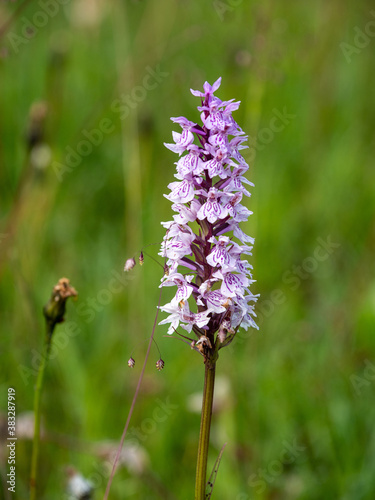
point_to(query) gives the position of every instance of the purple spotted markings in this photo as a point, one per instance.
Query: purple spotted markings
(204, 246)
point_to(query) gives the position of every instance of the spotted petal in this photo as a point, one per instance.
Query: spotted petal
(233, 284)
(212, 211)
(182, 192)
(215, 301)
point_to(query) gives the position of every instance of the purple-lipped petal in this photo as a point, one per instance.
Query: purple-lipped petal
(185, 213)
(183, 292)
(220, 141)
(201, 319)
(233, 204)
(176, 249)
(219, 257)
(233, 285)
(211, 211)
(182, 192)
(215, 301)
(215, 167)
(215, 121)
(178, 229)
(190, 164)
(184, 139)
(236, 185)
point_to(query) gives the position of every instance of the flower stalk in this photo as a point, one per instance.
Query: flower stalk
(204, 246)
(54, 312)
(204, 434)
(37, 398)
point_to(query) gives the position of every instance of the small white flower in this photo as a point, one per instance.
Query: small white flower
(78, 486)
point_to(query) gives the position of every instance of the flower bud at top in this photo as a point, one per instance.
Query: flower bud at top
(54, 310)
(131, 362)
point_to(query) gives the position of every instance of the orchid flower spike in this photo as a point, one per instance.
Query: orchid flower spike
(204, 246)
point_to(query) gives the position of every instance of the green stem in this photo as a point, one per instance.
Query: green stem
(204, 435)
(37, 398)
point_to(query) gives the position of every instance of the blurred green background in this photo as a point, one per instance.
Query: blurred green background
(295, 401)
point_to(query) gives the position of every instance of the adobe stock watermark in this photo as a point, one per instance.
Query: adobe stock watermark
(149, 425)
(259, 481)
(266, 135)
(293, 278)
(31, 26)
(122, 106)
(364, 381)
(88, 310)
(92, 305)
(127, 102)
(361, 39)
(221, 8)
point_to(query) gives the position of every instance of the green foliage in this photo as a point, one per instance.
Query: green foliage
(306, 381)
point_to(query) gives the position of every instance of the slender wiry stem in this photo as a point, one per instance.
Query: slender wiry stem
(37, 399)
(117, 457)
(204, 435)
(53, 312)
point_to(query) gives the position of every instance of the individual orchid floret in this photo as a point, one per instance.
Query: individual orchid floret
(182, 141)
(190, 163)
(204, 246)
(183, 283)
(186, 213)
(182, 192)
(216, 166)
(215, 301)
(211, 209)
(232, 285)
(221, 256)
